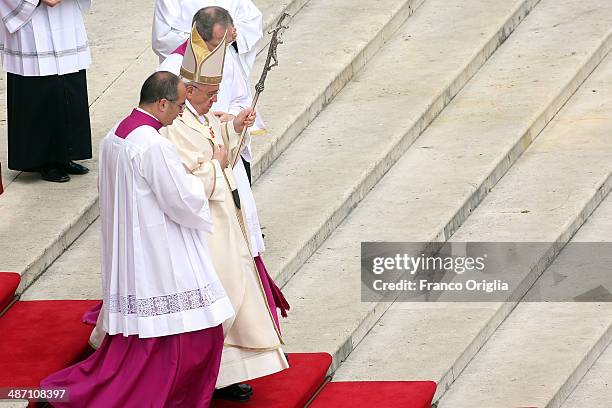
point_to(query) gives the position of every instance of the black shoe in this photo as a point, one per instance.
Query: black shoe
(75, 168)
(234, 392)
(54, 174)
(286, 357)
(246, 388)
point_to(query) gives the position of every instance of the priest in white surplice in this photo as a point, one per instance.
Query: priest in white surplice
(44, 49)
(172, 25)
(252, 342)
(163, 302)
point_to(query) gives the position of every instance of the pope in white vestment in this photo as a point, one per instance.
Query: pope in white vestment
(252, 338)
(171, 27)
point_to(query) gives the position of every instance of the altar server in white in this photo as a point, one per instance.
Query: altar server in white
(173, 19)
(163, 302)
(44, 49)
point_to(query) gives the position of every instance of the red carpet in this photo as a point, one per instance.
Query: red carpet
(40, 337)
(376, 394)
(291, 388)
(8, 285)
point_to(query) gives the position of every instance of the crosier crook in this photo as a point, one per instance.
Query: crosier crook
(271, 62)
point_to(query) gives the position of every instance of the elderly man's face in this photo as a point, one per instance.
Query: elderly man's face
(217, 35)
(202, 96)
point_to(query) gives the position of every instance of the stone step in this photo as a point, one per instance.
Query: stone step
(299, 173)
(542, 350)
(534, 358)
(61, 220)
(545, 197)
(447, 172)
(272, 11)
(14, 404)
(595, 388)
(73, 275)
(339, 157)
(322, 51)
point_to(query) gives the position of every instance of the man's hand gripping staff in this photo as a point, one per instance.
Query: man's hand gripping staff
(271, 62)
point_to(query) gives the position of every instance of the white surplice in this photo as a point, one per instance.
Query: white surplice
(40, 41)
(173, 19)
(158, 277)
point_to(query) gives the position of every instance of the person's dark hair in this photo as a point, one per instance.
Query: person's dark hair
(160, 85)
(206, 18)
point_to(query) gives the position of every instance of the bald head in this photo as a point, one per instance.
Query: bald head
(206, 19)
(212, 23)
(160, 85)
(163, 96)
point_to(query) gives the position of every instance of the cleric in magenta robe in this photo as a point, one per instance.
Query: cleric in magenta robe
(163, 302)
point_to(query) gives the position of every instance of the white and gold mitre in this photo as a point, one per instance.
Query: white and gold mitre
(201, 65)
